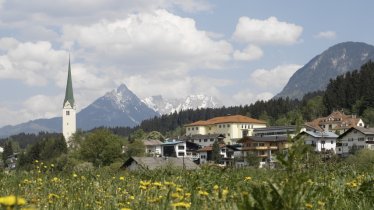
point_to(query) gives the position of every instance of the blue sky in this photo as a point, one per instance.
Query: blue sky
(238, 51)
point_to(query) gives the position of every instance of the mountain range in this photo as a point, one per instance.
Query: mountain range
(119, 107)
(336, 60)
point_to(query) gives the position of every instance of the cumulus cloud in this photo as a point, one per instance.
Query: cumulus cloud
(157, 39)
(275, 79)
(28, 61)
(326, 35)
(251, 52)
(269, 31)
(248, 96)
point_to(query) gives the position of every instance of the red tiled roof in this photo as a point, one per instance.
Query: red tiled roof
(227, 119)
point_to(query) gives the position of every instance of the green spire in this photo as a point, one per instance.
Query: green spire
(69, 96)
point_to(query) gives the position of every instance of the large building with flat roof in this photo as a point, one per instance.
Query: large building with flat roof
(233, 127)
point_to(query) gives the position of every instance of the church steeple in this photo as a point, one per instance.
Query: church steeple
(69, 96)
(69, 121)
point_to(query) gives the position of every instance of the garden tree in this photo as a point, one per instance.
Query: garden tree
(52, 148)
(155, 135)
(8, 150)
(138, 134)
(101, 147)
(252, 159)
(368, 116)
(216, 152)
(362, 160)
(135, 148)
(76, 139)
(314, 108)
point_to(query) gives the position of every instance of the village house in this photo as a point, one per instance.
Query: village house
(287, 130)
(265, 147)
(336, 122)
(233, 127)
(225, 152)
(153, 147)
(354, 139)
(321, 141)
(180, 149)
(203, 140)
(152, 163)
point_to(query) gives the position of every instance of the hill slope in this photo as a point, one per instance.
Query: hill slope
(336, 60)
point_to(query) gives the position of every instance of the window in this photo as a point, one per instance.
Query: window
(361, 139)
(350, 139)
(223, 126)
(67, 112)
(199, 140)
(211, 140)
(228, 125)
(332, 142)
(180, 147)
(197, 128)
(180, 153)
(202, 156)
(219, 126)
(228, 134)
(192, 128)
(205, 140)
(188, 129)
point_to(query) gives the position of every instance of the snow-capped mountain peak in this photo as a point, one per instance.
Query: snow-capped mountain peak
(167, 105)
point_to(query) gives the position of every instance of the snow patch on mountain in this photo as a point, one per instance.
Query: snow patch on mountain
(169, 105)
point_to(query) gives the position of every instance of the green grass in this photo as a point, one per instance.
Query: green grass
(333, 186)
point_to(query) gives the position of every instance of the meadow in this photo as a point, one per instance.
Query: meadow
(298, 183)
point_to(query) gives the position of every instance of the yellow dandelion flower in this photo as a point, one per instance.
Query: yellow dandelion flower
(225, 192)
(157, 184)
(308, 205)
(52, 165)
(321, 203)
(182, 204)
(121, 178)
(247, 178)
(203, 193)
(125, 209)
(12, 201)
(53, 196)
(36, 161)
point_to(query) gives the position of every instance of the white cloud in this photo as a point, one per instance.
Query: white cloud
(273, 80)
(326, 35)
(251, 52)
(147, 41)
(42, 106)
(28, 61)
(269, 31)
(248, 96)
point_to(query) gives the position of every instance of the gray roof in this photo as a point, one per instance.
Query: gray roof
(200, 136)
(319, 134)
(286, 127)
(151, 142)
(152, 163)
(366, 131)
(267, 138)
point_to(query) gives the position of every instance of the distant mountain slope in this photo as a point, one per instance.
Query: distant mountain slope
(166, 106)
(120, 107)
(336, 60)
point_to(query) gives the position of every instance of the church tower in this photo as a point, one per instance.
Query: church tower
(68, 109)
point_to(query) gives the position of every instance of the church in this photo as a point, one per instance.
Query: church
(69, 125)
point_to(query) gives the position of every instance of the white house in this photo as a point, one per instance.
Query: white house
(179, 149)
(205, 154)
(203, 140)
(320, 141)
(153, 147)
(337, 122)
(233, 127)
(355, 138)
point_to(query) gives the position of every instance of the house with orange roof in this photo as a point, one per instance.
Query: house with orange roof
(337, 122)
(233, 127)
